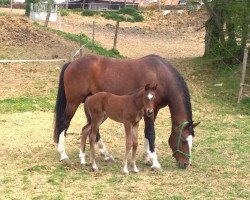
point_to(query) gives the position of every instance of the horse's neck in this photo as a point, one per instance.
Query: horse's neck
(179, 112)
(137, 99)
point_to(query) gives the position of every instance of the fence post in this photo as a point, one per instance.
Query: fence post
(81, 44)
(243, 74)
(116, 34)
(93, 36)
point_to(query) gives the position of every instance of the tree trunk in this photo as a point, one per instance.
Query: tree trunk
(214, 27)
(245, 28)
(48, 14)
(211, 37)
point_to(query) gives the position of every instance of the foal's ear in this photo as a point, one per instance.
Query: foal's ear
(147, 87)
(154, 88)
(195, 124)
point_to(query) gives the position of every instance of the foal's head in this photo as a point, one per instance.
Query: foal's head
(180, 142)
(149, 99)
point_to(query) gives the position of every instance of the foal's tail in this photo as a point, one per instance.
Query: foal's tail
(60, 106)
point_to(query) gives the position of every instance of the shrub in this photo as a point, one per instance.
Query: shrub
(64, 12)
(27, 6)
(4, 2)
(138, 18)
(114, 15)
(89, 12)
(129, 11)
(134, 15)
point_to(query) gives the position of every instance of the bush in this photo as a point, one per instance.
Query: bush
(27, 6)
(114, 15)
(129, 11)
(134, 15)
(89, 12)
(4, 2)
(64, 12)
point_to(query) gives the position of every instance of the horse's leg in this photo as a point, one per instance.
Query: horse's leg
(68, 115)
(149, 145)
(135, 146)
(128, 132)
(85, 132)
(101, 146)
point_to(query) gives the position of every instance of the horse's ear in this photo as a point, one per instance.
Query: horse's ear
(195, 124)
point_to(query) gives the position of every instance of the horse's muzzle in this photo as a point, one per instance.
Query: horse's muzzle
(150, 112)
(182, 165)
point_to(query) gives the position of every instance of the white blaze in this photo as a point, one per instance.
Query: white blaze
(150, 96)
(190, 143)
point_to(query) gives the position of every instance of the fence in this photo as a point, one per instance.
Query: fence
(38, 11)
(97, 6)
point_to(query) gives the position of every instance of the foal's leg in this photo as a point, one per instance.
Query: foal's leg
(68, 115)
(85, 132)
(149, 145)
(128, 132)
(135, 145)
(96, 122)
(102, 148)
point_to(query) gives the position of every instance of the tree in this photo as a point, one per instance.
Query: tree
(49, 8)
(228, 22)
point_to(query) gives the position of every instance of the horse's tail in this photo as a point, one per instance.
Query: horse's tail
(60, 105)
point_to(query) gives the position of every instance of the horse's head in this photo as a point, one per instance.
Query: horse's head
(180, 141)
(149, 99)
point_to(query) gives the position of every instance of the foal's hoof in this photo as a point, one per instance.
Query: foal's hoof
(156, 168)
(110, 159)
(66, 162)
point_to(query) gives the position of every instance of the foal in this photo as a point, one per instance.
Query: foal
(126, 109)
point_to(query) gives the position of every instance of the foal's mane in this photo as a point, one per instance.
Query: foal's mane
(182, 87)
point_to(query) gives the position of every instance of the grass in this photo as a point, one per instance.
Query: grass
(27, 104)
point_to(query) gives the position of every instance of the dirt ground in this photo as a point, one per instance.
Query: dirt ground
(158, 34)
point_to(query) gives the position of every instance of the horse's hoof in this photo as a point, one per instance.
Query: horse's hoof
(110, 159)
(94, 169)
(66, 162)
(82, 166)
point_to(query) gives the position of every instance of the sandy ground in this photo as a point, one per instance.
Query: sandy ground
(139, 39)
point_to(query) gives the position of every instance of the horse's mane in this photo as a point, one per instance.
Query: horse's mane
(135, 91)
(182, 85)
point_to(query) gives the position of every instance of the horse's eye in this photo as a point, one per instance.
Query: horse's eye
(184, 141)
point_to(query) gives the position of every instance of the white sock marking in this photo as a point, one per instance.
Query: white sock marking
(82, 158)
(155, 162)
(61, 146)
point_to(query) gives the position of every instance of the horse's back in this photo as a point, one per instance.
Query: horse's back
(92, 73)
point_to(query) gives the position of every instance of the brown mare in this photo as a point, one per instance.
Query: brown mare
(126, 109)
(92, 73)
